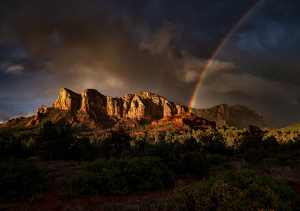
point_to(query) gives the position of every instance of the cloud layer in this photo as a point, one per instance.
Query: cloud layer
(122, 47)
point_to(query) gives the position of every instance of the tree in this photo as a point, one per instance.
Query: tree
(52, 144)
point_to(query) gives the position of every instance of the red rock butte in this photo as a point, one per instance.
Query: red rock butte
(93, 110)
(140, 105)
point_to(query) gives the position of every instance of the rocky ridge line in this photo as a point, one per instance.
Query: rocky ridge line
(139, 106)
(93, 110)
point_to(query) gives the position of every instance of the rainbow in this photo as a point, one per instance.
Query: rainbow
(216, 52)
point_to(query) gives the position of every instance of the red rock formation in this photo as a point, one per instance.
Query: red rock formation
(93, 101)
(189, 119)
(14, 121)
(94, 110)
(39, 115)
(67, 100)
(143, 105)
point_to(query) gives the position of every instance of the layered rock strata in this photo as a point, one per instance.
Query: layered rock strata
(93, 110)
(143, 105)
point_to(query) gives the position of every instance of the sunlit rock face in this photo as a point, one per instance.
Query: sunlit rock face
(182, 119)
(93, 110)
(67, 100)
(14, 121)
(39, 115)
(93, 101)
(92, 106)
(139, 106)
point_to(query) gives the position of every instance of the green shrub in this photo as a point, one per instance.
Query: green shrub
(115, 144)
(169, 152)
(245, 190)
(254, 148)
(275, 162)
(191, 145)
(214, 143)
(19, 178)
(272, 162)
(194, 163)
(82, 149)
(52, 145)
(12, 145)
(292, 163)
(217, 159)
(114, 175)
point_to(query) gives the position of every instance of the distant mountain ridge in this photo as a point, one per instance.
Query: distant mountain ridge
(93, 110)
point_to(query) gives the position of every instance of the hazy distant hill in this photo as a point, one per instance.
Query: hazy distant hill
(92, 110)
(271, 123)
(238, 115)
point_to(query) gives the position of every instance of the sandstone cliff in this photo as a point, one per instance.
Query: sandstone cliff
(194, 122)
(143, 105)
(93, 110)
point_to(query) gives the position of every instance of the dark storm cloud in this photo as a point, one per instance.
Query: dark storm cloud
(121, 47)
(84, 43)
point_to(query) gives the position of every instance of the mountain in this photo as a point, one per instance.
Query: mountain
(238, 115)
(271, 123)
(93, 110)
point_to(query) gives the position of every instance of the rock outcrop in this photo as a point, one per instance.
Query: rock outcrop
(67, 100)
(194, 122)
(143, 105)
(14, 121)
(93, 110)
(220, 114)
(39, 115)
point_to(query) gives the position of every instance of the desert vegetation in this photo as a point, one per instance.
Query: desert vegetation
(222, 168)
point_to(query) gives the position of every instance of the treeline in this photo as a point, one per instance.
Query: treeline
(124, 161)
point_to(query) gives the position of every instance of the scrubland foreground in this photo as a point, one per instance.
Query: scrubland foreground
(166, 168)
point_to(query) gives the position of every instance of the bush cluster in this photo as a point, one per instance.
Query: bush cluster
(245, 190)
(115, 144)
(19, 178)
(12, 145)
(53, 144)
(275, 162)
(147, 173)
(217, 159)
(186, 158)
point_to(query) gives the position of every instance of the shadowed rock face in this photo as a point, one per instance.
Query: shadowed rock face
(220, 114)
(237, 115)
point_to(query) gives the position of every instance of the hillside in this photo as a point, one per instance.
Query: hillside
(93, 110)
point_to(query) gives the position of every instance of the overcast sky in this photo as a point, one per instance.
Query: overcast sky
(125, 46)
